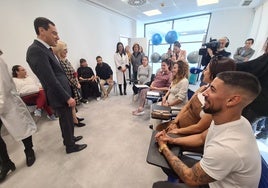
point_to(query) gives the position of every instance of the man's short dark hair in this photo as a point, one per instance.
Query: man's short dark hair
(98, 57)
(82, 60)
(250, 39)
(238, 79)
(42, 22)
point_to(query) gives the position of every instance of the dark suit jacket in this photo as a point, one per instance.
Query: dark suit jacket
(50, 73)
(259, 68)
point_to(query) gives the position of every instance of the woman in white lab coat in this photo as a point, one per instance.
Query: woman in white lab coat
(16, 118)
(122, 67)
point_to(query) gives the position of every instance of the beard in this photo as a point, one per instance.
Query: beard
(210, 109)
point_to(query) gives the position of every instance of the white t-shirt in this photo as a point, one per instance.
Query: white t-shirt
(231, 155)
(26, 86)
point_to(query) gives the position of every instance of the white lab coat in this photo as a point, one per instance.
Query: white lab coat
(121, 61)
(13, 112)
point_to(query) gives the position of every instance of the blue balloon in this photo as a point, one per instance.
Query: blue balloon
(156, 39)
(171, 37)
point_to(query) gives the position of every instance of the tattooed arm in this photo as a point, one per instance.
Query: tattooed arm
(191, 176)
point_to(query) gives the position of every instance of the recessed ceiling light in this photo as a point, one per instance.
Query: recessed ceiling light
(136, 2)
(152, 12)
(206, 2)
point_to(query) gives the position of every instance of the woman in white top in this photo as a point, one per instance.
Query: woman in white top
(177, 93)
(122, 67)
(176, 97)
(144, 74)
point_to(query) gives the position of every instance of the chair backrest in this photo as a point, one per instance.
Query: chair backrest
(152, 79)
(190, 93)
(264, 177)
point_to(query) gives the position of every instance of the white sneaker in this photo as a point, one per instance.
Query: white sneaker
(98, 98)
(137, 113)
(52, 117)
(38, 112)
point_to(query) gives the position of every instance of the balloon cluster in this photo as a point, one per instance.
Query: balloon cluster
(170, 38)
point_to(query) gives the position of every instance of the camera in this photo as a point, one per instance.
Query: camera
(213, 44)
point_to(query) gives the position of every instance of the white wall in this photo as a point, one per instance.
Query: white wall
(88, 30)
(234, 24)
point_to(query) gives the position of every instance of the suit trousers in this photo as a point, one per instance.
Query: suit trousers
(66, 125)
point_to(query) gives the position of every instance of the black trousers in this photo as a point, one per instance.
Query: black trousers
(27, 142)
(66, 125)
(90, 89)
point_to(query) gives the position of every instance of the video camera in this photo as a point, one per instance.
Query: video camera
(213, 44)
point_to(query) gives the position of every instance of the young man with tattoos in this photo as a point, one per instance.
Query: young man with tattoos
(231, 156)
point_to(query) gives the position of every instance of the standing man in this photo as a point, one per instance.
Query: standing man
(243, 54)
(105, 75)
(231, 155)
(53, 79)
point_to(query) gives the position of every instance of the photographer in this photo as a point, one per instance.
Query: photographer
(214, 48)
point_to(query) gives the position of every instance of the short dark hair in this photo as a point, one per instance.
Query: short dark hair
(98, 57)
(42, 22)
(219, 64)
(82, 60)
(177, 43)
(239, 79)
(15, 68)
(250, 39)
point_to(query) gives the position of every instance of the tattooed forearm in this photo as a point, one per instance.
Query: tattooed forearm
(191, 176)
(199, 175)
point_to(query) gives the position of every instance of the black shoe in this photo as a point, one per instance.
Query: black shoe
(80, 119)
(84, 100)
(151, 126)
(125, 93)
(121, 93)
(79, 124)
(77, 138)
(30, 157)
(5, 169)
(76, 148)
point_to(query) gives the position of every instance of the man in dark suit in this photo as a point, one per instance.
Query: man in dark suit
(53, 79)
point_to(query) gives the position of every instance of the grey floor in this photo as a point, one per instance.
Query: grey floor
(115, 156)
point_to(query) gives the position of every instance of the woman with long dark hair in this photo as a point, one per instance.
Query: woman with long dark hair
(122, 66)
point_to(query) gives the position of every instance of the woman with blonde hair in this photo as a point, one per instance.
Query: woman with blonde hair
(61, 52)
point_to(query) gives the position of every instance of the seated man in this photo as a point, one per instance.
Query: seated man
(243, 54)
(105, 75)
(231, 155)
(88, 81)
(31, 92)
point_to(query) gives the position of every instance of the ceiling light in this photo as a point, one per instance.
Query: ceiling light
(152, 12)
(206, 2)
(136, 2)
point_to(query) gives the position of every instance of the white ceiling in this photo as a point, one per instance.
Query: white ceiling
(169, 8)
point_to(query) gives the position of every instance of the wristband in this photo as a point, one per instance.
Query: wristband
(161, 148)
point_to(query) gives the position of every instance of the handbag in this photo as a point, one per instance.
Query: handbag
(161, 114)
